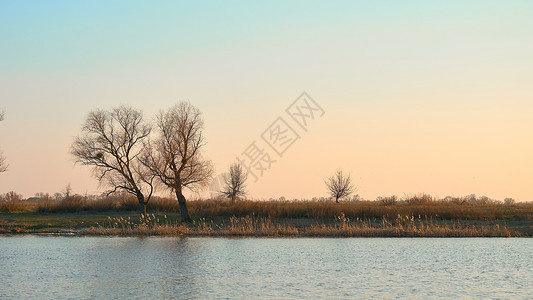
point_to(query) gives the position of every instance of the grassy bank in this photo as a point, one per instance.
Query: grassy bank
(421, 205)
(128, 224)
(265, 227)
(415, 216)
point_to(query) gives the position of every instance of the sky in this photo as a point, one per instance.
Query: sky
(415, 96)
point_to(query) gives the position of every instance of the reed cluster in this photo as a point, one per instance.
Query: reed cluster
(15, 206)
(253, 226)
(362, 210)
(12, 202)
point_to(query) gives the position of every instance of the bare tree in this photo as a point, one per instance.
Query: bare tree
(3, 163)
(339, 185)
(112, 142)
(68, 191)
(234, 187)
(176, 156)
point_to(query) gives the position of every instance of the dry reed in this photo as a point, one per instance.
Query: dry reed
(389, 207)
(252, 226)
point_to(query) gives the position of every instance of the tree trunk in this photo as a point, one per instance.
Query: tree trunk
(337, 199)
(183, 207)
(143, 208)
(142, 205)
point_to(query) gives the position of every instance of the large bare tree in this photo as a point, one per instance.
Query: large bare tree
(3, 163)
(176, 157)
(112, 142)
(339, 185)
(234, 182)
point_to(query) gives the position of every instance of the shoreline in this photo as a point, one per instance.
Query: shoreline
(411, 217)
(259, 227)
(75, 235)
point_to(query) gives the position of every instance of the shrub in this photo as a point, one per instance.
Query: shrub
(509, 201)
(12, 202)
(387, 200)
(419, 199)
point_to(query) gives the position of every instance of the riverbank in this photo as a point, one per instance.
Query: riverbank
(128, 224)
(265, 227)
(416, 216)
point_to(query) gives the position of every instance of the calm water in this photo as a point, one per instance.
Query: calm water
(72, 267)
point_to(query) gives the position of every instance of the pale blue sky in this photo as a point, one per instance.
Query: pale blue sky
(420, 96)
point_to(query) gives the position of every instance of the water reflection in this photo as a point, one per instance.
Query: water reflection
(161, 268)
(183, 268)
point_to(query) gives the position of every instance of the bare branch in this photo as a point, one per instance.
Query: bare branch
(112, 142)
(234, 182)
(339, 185)
(175, 158)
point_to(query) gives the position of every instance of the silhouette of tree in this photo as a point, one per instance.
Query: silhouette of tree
(112, 142)
(234, 187)
(68, 191)
(175, 158)
(339, 185)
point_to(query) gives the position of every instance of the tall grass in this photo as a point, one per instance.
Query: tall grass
(251, 226)
(15, 206)
(12, 202)
(423, 206)
(118, 202)
(363, 210)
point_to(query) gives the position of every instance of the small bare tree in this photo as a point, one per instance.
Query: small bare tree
(68, 191)
(176, 159)
(3, 163)
(339, 185)
(234, 187)
(112, 142)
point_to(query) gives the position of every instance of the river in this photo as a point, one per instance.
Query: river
(198, 268)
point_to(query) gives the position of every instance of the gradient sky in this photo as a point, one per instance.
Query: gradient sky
(419, 96)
